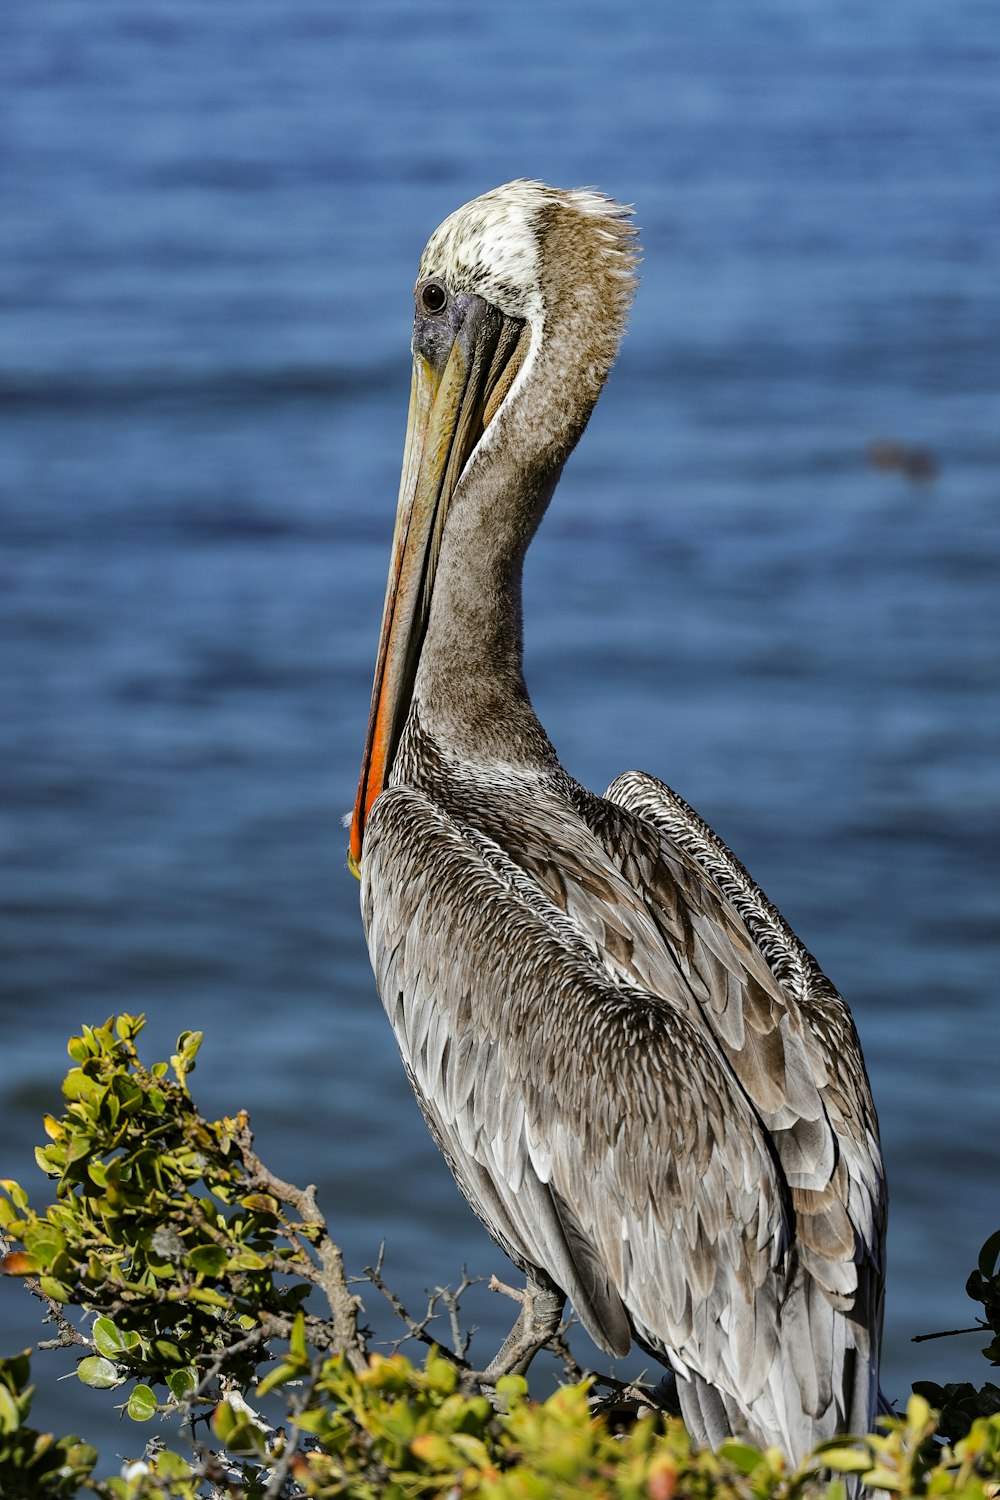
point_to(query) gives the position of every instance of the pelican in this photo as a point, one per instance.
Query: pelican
(645, 1087)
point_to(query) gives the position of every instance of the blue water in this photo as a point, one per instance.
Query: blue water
(211, 220)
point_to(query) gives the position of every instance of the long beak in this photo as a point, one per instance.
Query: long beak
(448, 414)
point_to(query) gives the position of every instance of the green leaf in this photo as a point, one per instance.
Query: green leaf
(315, 1421)
(297, 1342)
(918, 1411)
(127, 1092)
(207, 1298)
(846, 1460)
(881, 1478)
(234, 1430)
(56, 1289)
(99, 1373)
(224, 1419)
(441, 1374)
(741, 1456)
(182, 1382)
(189, 1045)
(512, 1388)
(247, 1260)
(10, 1414)
(97, 1171)
(76, 1085)
(81, 1144)
(51, 1159)
(208, 1260)
(286, 1370)
(15, 1192)
(989, 1255)
(472, 1449)
(170, 1465)
(141, 1404)
(261, 1203)
(247, 1441)
(108, 1339)
(44, 1242)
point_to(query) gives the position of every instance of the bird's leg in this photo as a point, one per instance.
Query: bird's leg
(663, 1395)
(541, 1311)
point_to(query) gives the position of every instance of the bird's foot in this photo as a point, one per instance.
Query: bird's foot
(622, 1403)
(537, 1322)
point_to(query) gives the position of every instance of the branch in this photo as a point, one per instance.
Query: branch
(348, 1338)
(241, 1346)
(574, 1370)
(452, 1300)
(947, 1333)
(69, 1334)
(415, 1330)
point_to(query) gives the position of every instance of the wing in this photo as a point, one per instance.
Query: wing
(827, 1027)
(590, 1122)
(841, 1222)
(652, 916)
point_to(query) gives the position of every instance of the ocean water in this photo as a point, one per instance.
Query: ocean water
(211, 220)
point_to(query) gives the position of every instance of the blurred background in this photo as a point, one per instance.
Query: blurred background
(770, 575)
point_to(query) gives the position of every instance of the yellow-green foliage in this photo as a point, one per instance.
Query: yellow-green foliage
(402, 1433)
(34, 1464)
(396, 1431)
(160, 1228)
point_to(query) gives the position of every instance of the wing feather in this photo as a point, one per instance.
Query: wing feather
(570, 1146)
(831, 1158)
(643, 1084)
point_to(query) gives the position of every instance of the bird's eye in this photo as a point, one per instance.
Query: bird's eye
(433, 296)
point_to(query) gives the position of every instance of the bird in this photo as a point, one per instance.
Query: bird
(644, 1085)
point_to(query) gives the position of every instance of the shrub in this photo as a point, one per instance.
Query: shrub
(194, 1265)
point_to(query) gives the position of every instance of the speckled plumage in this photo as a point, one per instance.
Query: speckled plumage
(642, 1082)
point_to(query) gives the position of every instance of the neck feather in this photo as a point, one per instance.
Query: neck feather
(470, 689)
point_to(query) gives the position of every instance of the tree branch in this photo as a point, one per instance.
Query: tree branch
(348, 1338)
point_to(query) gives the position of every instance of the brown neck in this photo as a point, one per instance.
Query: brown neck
(470, 685)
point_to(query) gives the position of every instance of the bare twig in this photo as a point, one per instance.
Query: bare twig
(241, 1346)
(947, 1333)
(416, 1330)
(279, 1471)
(69, 1334)
(574, 1371)
(629, 1398)
(452, 1301)
(292, 1442)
